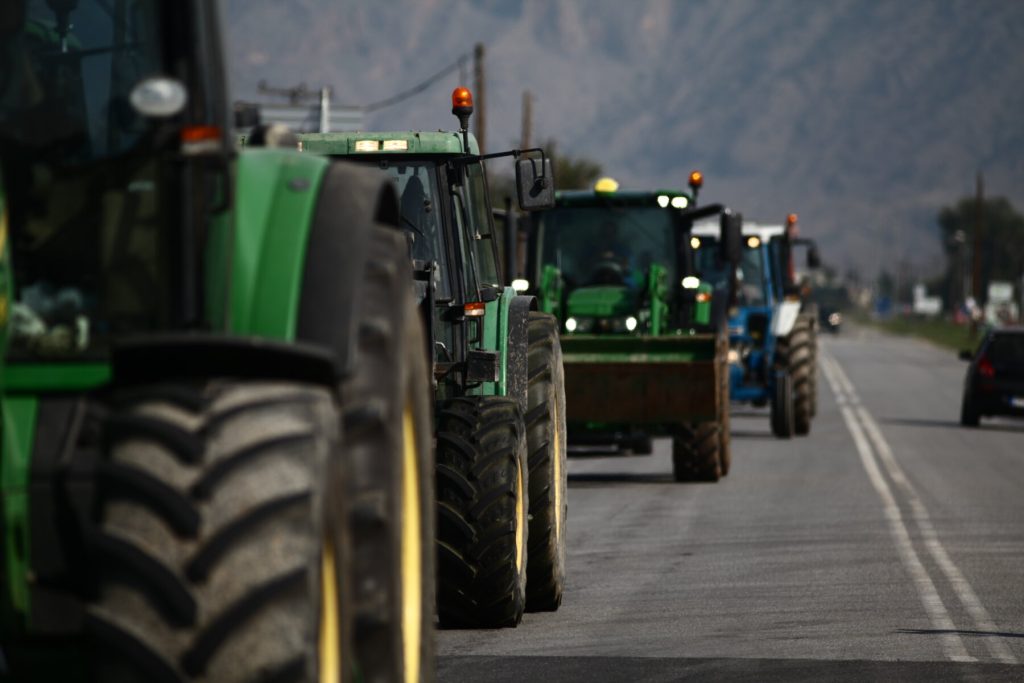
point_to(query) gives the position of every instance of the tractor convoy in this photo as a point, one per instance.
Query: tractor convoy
(274, 405)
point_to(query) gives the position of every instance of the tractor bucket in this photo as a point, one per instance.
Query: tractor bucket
(643, 380)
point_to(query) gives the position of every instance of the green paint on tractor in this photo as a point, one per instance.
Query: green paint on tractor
(19, 418)
(271, 233)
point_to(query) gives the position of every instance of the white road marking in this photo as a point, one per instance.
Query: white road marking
(996, 645)
(952, 643)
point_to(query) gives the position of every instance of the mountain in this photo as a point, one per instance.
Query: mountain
(865, 117)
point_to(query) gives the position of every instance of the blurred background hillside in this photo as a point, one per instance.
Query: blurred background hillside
(865, 117)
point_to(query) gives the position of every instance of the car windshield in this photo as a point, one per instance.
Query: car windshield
(607, 245)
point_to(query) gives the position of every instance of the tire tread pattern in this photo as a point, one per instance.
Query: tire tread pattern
(153, 618)
(481, 447)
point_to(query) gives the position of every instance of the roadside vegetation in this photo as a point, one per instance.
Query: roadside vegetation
(938, 331)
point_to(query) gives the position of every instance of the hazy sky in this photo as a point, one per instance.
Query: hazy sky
(864, 116)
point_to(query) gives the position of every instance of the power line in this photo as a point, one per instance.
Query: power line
(415, 90)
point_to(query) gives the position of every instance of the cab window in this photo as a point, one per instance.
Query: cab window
(483, 230)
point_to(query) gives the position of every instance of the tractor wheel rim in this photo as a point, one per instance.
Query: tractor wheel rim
(412, 550)
(520, 518)
(329, 645)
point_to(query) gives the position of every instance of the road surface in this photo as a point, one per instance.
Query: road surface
(888, 544)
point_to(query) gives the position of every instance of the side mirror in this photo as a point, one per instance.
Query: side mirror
(813, 258)
(159, 97)
(730, 243)
(965, 355)
(535, 184)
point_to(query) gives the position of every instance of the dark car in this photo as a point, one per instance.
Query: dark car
(995, 379)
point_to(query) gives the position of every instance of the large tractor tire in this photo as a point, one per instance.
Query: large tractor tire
(794, 354)
(387, 432)
(724, 432)
(482, 504)
(221, 545)
(815, 328)
(696, 452)
(545, 441)
(782, 414)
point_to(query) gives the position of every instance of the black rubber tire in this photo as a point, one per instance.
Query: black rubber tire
(815, 329)
(482, 532)
(215, 500)
(546, 445)
(794, 353)
(389, 385)
(695, 452)
(782, 418)
(969, 416)
(724, 430)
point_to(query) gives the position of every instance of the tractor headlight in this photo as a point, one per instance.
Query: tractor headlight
(734, 357)
(630, 323)
(579, 325)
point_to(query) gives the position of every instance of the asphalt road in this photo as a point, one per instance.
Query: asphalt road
(886, 545)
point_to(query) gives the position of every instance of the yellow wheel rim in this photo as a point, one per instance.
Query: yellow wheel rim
(520, 519)
(329, 645)
(412, 550)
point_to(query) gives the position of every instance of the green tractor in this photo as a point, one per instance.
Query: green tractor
(644, 340)
(500, 411)
(214, 393)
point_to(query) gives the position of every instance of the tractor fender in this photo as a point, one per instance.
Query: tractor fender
(784, 317)
(352, 201)
(153, 358)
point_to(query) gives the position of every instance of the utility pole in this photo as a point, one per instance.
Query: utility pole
(979, 226)
(979, 216)
(325, 110)
(524, 142)
(480, 97)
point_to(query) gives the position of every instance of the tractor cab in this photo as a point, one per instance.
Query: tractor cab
(448, 221)
(104, 123)
(612, 261)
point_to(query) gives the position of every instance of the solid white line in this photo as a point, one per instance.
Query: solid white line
(996, 645)
(952, 644)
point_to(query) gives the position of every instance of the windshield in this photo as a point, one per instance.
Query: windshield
(88, 249)
(418, 199)
(482, 236)
(66, 77)
(607, 245)
(750, 278)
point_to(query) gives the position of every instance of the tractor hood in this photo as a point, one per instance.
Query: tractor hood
(601, 301)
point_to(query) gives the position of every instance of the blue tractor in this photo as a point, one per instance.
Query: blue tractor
(772, 330)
